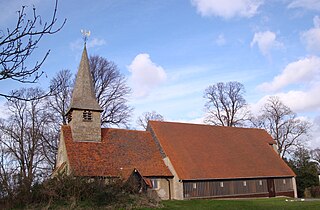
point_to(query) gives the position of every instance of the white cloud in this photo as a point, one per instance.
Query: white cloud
(227, 8)
(95, 42)
(302, 101)
(315, 133)
(304, 76)
(266, 41)
(297, 100)
(305, 70)
(220, 40)
(311, 38)
(306, 4)
(316, 21)
(91, 43)
(255, 108)
(4, 109)
(145, 75)
(199, 120)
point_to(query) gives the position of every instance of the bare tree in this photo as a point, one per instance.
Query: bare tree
(111, 91)
(110, 88)
(226, 105)
(7, 186)
(18, 44)
(22, 141)
(315, 154)
(61, 95)
(283, 125)
(57, 104)
(143, 120)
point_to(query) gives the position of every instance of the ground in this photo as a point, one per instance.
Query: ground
(252, 204)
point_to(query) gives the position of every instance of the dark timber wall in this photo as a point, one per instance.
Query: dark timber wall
(236, 188)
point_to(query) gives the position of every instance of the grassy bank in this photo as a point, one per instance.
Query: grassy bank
(254, 204)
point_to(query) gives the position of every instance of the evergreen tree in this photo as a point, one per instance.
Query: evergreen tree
(305, 170)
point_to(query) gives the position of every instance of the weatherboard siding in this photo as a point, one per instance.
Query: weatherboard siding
(283, 185)
(234, 188)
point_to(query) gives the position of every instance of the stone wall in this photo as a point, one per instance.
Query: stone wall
(84, 130)
(163, 190)
(177, 186)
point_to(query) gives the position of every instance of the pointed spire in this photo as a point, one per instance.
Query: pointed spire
(83, 96)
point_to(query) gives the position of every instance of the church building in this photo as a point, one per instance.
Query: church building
(175, 160)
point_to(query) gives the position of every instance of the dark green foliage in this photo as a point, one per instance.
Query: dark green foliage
(71, 192)
(315, 191)
(305, 170)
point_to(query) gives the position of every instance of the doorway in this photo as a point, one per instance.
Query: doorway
(271, 188)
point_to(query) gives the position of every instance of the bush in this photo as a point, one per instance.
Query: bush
(315, 191)
(71, 192)
(307, 193)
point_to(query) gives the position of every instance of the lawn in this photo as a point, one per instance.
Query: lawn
(253, 204)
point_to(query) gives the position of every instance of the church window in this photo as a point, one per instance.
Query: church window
(194, 185)
(221, 184)
(87, 115)
(155, 184)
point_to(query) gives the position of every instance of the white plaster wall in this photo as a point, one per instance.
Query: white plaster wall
(294, 185)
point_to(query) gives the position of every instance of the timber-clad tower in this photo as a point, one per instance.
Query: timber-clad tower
(84, 111)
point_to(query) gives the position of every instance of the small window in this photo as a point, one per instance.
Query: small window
(87, 115)
(244, 183)
(194, 185)
(221, 184)
(69, 117)
(260, 182)
(155, 184)
(284, 181)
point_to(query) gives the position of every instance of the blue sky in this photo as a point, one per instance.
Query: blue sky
(171, 50)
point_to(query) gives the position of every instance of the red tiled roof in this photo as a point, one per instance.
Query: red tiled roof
(119, 151)
(214, 152)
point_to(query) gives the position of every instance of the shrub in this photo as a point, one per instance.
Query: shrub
(307, 193)
(70, 192)
(315, 191)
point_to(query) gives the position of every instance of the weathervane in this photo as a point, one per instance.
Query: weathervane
(85, 35)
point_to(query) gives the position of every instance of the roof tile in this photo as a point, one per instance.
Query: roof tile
(119, 150)
(215, 152)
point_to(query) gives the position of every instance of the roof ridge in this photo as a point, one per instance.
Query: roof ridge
(124, 129)
(200, 124)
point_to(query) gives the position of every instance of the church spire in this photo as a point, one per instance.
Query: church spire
(84, 111)
(83, 96)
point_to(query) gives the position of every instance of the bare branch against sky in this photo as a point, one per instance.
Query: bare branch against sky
(171, 51)
(17, 45)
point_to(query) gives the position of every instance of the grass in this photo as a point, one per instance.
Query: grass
(252, 204)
